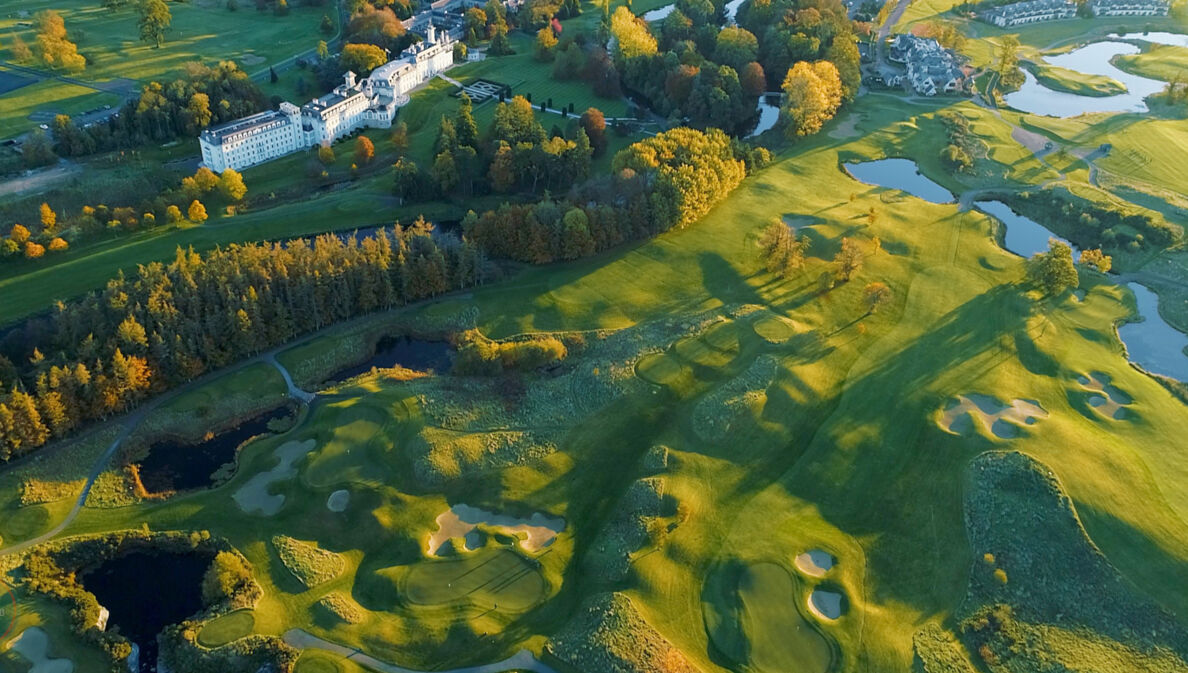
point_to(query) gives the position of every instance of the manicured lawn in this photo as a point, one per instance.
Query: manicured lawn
(229, 627)
(47, 97)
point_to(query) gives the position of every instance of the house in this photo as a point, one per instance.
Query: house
(931, 69)
(1033, 11)
(352, 105)
(1129, 7)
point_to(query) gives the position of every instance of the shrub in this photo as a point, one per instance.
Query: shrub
(478, 355)
(310, 564)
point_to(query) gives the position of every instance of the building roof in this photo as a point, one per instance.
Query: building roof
(243, 126)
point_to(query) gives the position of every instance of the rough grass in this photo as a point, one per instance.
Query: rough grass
(608, 634)
(342, 607)
(307, 562)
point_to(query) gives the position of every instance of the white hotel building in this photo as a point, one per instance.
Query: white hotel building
(370, 103)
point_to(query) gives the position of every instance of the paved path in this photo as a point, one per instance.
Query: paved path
(520, 661)
(294, 392)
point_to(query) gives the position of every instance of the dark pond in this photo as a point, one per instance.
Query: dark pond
(146, 591)
(418, 354)
(174, 466)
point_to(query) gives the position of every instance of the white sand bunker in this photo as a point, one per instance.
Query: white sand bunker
(460, 521)
(338, 500)
(826, 604)
(1107, 398)
(815, 563)
(33, 644)
(1002, 420)
(254, 498)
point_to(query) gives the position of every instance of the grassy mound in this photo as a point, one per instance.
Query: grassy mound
(441, 455)
(310, 564)
(1079, 83)
(1041, 596)
(751, 617)
(774, 328)
(608, 635)
(725, 406)
(635, 523)
(342, 607)
(227, 628)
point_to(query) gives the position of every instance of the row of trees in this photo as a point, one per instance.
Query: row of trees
(104, 353)
(658, 183)
(1093, 225)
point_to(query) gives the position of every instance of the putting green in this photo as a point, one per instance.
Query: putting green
(660, 368)
(751, 616)
(774, 329)
(229, 627)
(490, 579)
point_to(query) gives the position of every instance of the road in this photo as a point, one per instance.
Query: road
(520, 661)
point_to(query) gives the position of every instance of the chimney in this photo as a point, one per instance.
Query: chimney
(349, 78)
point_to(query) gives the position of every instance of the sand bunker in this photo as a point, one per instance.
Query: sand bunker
(254, 498)
(814, 562)
(338, 500)
(33, 644)
(1003, 420)
(826, 604)
(1108, 400)
(460, 521)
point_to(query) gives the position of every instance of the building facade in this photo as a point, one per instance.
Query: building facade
(1033, 11)
(352, 105)
(1129, 7)
(931, 69)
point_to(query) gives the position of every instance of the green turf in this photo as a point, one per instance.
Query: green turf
(1157, 61)
(500, 580)
(1079, 83)
(227, 628)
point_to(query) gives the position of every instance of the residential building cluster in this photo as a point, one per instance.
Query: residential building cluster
(1129, 7)
(1032, 11)
(930, 68)
(352, 105)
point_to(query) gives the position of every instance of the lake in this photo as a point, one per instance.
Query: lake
(418, 354)
(1092, 59)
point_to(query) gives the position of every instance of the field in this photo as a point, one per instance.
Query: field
(202, 31)
(710, 424)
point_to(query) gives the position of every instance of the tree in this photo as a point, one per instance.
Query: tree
(515, 123)
(813, 94)
(323, 50)
(576, 241)
(1010, 76)
(849, 259)
(326, 26)
(546, 42)
(231, 185)
(225, 577)
(272, 76)
(445, 172)
(476, 23)
(173, 214)
(33, 250)
(364, 150)
(753, 79)
(21, 53)
(198, 114)
(53, 47)
(1053, 272)
(465, 127)
(399, 137)
(18, 234)
(49, 219)
(736, 47)
(593, 123)
(362, 58)
(782, 252)
(58, 244)
(281, 8)
(326, 154)
(502, 172)
(154, 20)
(500, 45)
(631, 35)
(196, 212)
(37, 150)
(1096, 259)
(874, 296)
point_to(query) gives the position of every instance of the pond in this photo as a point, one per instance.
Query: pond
(1092, 59)
(1023, 236)
(901, 174)
(659, 14)
(769, 114)
(1170, 39)
(418, 354)
(1153, 344)
(132, 587)
(175, 466)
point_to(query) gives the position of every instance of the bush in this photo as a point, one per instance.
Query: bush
(478, 355)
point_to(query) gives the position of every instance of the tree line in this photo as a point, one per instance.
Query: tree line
(104, 353)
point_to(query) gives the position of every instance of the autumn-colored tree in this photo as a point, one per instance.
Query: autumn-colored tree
(631, 35)
(231, 185)
(812, 95)
(58, 244)
(326, 155)
(875, 295)
(364, 150)
(753, 79)
(362, 58)
(781, 250)
(33, 250)
(49, 219)
(736, 47)
(53, 47)
(173, 214)
(849, 259)
(594, 124)
(197, 212)
(1053, 271)
(546, 42)
(1097, 259)
(19, 234)
(323, 50)
(21, 53)
(502, 172)
(399, 138)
